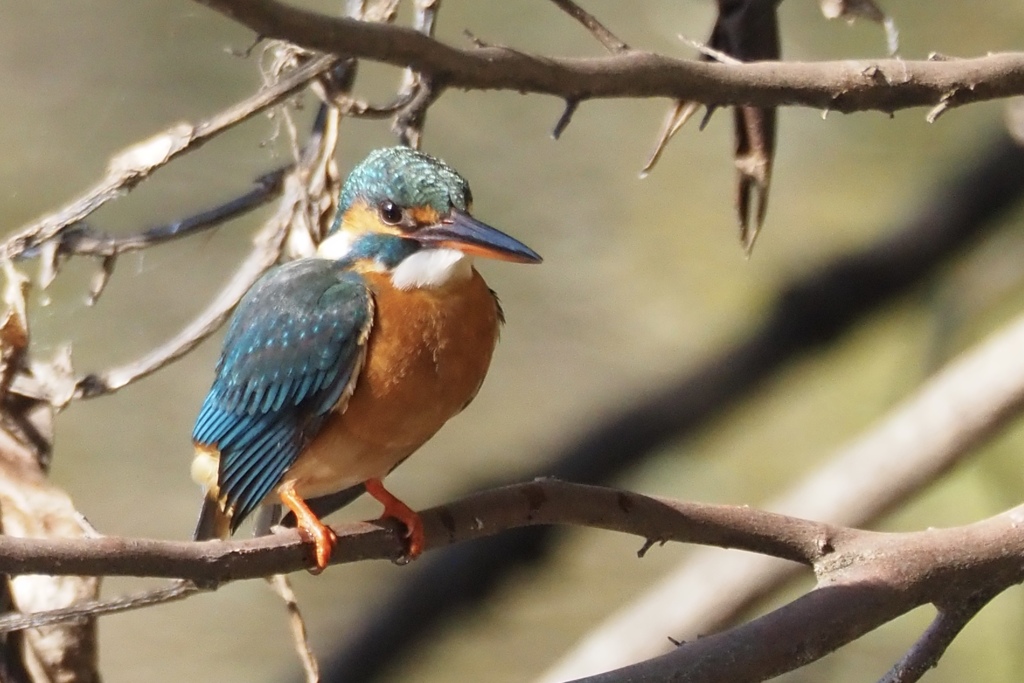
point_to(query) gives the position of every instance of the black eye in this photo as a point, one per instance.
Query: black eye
(391, 213)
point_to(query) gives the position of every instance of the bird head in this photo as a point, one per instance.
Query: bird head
(407, 213)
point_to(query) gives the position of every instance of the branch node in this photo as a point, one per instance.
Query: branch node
(477, 42)
(938, 110)
(247, 52)
(571, 105)
(648, 544)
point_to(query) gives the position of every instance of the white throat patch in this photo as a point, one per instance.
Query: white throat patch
(431, 268)
(336, 246)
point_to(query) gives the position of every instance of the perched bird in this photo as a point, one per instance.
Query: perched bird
(336, 368)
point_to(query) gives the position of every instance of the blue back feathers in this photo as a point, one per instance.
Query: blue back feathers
(291, 350)
(407, 177)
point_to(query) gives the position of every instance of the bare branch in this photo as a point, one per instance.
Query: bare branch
(866, 578)
(81, 239)
(963, 405)
(417, 88)
(268, 243)
(884, 85)
(308, 196)
(476, 516)
(610, 41)
(131, 166)
(283, 587)
(863, 584)
(178, 590)
(926, 652)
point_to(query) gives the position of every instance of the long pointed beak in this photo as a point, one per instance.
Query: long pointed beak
(461, 231)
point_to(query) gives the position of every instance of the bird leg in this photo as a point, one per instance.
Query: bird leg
(311, 529)
(396, 509)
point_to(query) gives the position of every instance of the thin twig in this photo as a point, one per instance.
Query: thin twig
(361, 109)
(925, 654)
(308, 193)
(178, 590)
(283, 587)
(81, 239)
(419, 89)
(565, 119)
(708, 51)
(611, 42)
(264, 254)
(131, 166)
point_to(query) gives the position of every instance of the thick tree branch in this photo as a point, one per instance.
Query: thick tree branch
(867, 581)
(883, 85)
(476, 516)
(865, 578)
(810, 312)
(963, 405)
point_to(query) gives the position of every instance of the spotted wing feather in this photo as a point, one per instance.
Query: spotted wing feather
(291, 356)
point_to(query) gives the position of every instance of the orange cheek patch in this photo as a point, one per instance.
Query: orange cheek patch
(361, 217)
(424, 215)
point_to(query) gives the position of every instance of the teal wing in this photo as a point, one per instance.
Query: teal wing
(291, 355)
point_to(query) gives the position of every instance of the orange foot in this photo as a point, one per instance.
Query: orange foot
(396, 509)
(311, 529)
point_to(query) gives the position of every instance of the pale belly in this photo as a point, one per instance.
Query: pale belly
(427, 356)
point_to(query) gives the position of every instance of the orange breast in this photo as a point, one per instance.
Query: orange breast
(427, 355)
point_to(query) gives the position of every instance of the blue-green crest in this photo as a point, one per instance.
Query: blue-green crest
(408, 178)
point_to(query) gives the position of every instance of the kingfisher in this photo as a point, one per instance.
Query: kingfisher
(336, 368)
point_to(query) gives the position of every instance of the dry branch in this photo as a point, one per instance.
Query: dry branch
(851, 85)
(865, 578)
(809, 312)
(265, 252)
(132, 165)
(84, 240)
(609, 40)
(963, 405)
(307, 193)
(947, 625)
(476, 516)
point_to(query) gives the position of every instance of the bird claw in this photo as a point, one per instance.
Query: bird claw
(311, 529)
(413, 535)
(323, 539)
(397, 510)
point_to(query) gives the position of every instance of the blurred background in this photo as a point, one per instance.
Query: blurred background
(641, 280)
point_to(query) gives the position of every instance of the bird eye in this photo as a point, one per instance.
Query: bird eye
(391, 213)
